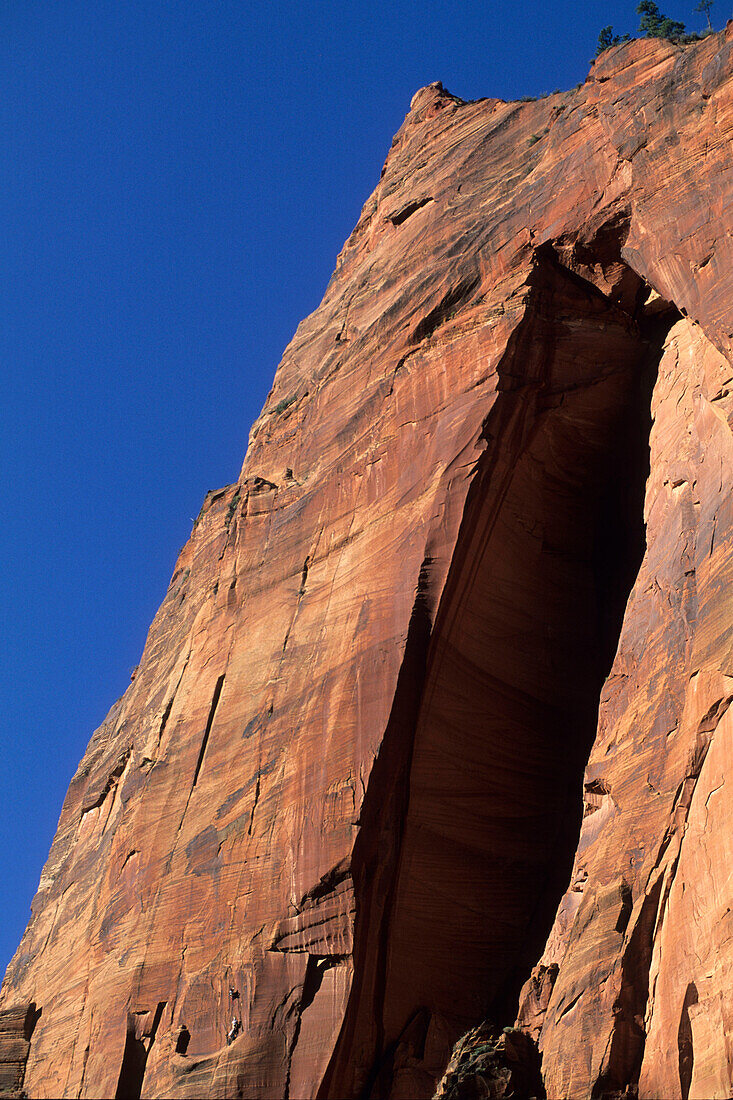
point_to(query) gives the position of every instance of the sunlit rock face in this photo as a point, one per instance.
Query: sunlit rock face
(360, 795)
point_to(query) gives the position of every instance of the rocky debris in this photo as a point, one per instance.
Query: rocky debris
(487, 1064)
(361, 776)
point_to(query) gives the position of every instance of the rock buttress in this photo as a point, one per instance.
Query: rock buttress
(327, 828)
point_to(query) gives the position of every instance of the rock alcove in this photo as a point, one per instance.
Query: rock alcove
(472, 818)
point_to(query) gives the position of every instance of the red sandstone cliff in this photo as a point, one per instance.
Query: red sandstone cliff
(341, 801)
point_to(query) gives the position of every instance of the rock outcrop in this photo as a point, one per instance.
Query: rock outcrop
(16, 1029)
(333, 823)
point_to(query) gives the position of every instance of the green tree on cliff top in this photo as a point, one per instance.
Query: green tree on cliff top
(653, 24)
(704, 6)
(607, 38)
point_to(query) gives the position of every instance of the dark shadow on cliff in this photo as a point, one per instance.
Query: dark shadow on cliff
(474, 806)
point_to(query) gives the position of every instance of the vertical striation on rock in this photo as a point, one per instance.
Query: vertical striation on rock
(333, 823)
(640, 937)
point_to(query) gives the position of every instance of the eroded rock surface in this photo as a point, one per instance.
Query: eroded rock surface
(333, 823)
(16, 1028)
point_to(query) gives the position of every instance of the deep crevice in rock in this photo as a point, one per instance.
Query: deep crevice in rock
(182, 1040)
(629, 1037)
(132, 1070)
(450, 303)
(374, 864)
(406, 212)
(207, 731)
(138, 1041)
(474, 806)
(165, 717)
(316, 967)
(686, 1052)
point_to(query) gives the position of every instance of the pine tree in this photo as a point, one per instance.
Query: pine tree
(655, 25)
(607, 38)
(704, 7)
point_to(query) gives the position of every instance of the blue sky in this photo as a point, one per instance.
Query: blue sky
(177, 179)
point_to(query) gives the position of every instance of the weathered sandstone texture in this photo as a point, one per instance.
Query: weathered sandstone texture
(16, 1029)
(340, 803)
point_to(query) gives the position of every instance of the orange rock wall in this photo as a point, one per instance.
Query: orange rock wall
(640, 938)
(340, 802)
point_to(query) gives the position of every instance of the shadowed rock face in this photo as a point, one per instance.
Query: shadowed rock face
(16, 1030)
(334, 821)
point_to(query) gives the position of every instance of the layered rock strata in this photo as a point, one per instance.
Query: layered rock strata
(16, 1029)
(333, 823)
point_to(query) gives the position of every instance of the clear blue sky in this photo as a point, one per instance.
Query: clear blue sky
(177, 179)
